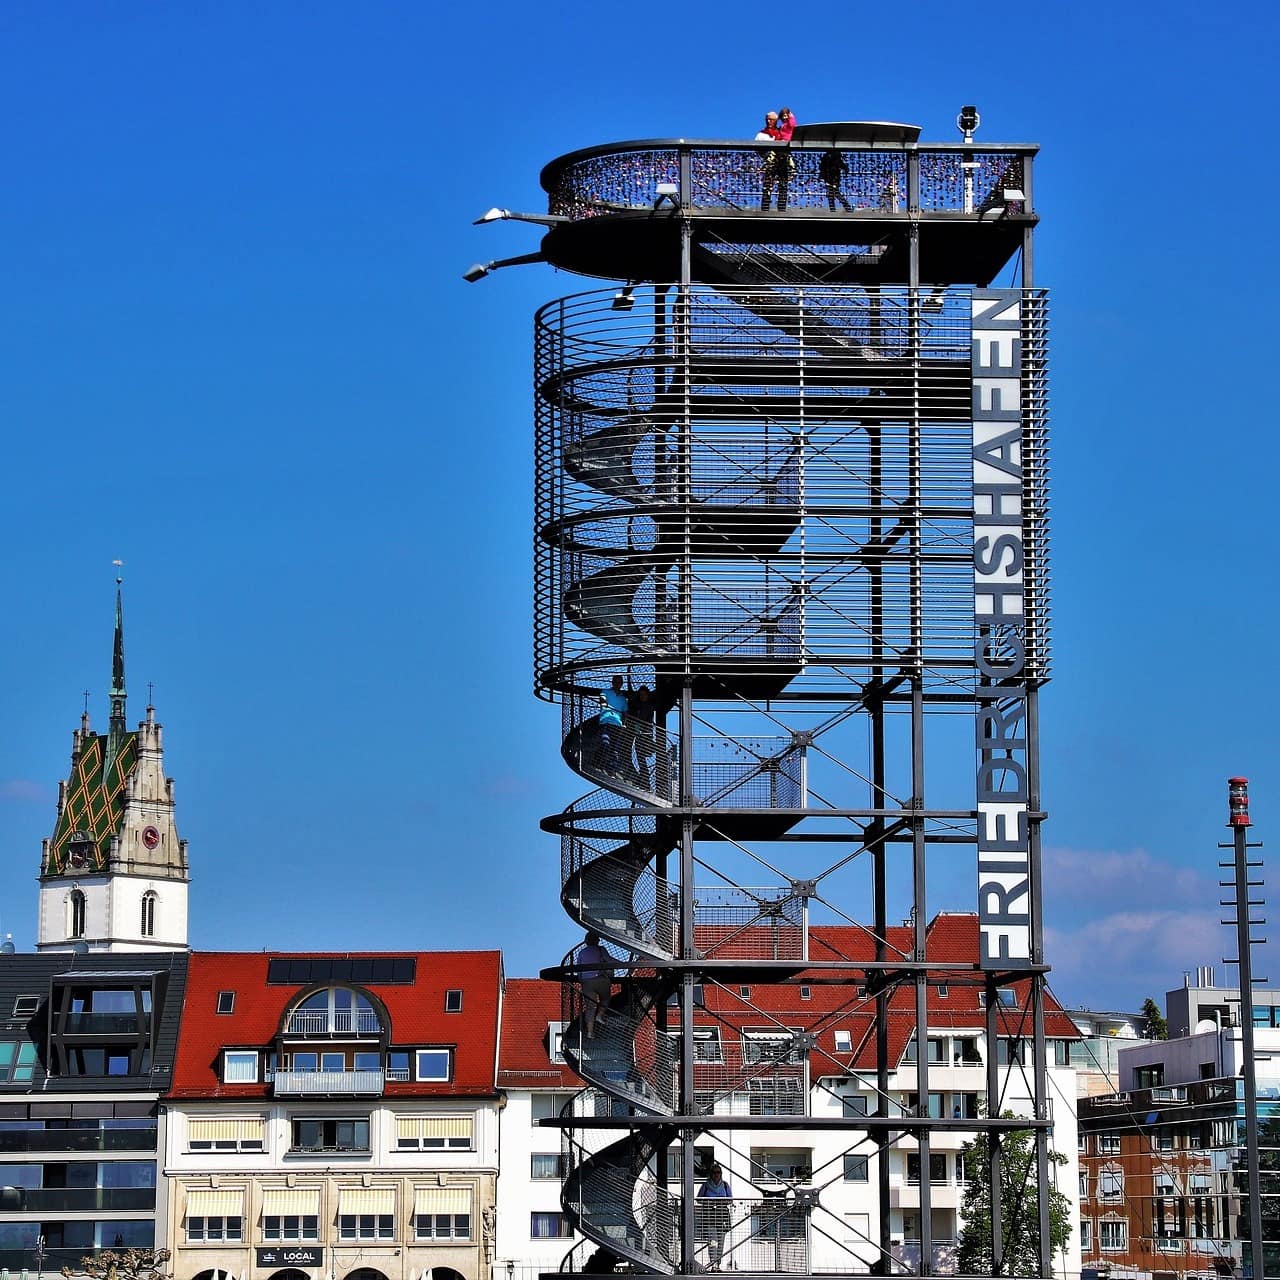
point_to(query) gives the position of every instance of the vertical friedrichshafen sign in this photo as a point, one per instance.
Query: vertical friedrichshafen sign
(1000, 630)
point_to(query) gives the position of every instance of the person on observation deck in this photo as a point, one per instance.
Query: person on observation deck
(832, 169)
(786, 124)
(778, 165)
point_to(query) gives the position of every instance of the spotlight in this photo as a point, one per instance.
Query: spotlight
(967, 122)
(504, 215)
(624, 299)
(666, 192)
(478, 270)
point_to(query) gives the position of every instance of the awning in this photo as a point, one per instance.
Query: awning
(443, 1127)
(441, 1200)
(200, 1129)
(367, 1200)
(287, 1201)
(215, 1204)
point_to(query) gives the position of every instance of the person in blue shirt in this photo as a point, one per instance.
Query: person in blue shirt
(614, 746)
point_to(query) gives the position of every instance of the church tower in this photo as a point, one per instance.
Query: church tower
(114, 875)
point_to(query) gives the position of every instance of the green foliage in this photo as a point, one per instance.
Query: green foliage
(1157, 1027)
(1019, 1208)
(123, 1264)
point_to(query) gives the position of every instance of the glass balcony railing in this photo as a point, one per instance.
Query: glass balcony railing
(142, 1138)
(86, 1199)
(102, 1024)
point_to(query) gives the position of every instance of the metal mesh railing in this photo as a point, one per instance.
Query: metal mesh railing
(738, 175)
(802, 471)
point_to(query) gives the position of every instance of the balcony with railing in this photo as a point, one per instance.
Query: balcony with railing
(141, 1138)
(334, 1022)
(86, 1199)
(328, 1083)
(103, 1024)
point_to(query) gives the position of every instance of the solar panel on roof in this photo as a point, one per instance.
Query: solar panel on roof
(300, 971)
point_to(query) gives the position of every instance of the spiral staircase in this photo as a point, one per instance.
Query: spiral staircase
(754, 498)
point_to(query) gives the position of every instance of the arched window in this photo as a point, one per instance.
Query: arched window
(149, 914)
(338, 1010)
(75, 914)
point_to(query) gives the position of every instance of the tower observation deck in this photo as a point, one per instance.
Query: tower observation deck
(791, 478)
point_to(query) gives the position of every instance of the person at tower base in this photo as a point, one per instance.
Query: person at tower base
(713, 1217)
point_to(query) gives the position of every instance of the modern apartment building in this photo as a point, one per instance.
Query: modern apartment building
(793, 1050)
(86, 1050)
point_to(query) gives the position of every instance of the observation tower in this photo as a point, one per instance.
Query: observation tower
(791, 478)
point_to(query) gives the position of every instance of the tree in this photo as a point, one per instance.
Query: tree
(1019, 1208)
(123, 1264)
(1157, 1027)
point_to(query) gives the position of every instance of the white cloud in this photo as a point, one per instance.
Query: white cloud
(1118, 959)
(23, 790)
(1122, 925)
(1120, 878)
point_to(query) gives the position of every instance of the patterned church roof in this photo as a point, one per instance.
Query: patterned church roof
(95, 802)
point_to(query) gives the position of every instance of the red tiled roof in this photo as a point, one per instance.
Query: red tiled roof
(416, 1012)
(833, 1003)
(523, 1059)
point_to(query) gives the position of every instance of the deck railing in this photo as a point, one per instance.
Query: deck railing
(708, 176)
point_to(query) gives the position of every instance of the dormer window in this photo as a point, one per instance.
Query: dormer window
(434, 1064)
(240, 1066)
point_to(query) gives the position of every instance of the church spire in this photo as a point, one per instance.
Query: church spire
(116, 729)
(117, 664)
(113, 877)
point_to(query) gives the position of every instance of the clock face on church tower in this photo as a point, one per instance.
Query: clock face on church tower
(150, 837)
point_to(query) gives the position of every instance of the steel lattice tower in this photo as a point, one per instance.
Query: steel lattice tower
(791, 476)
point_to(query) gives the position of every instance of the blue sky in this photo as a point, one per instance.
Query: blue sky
(239, 355)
